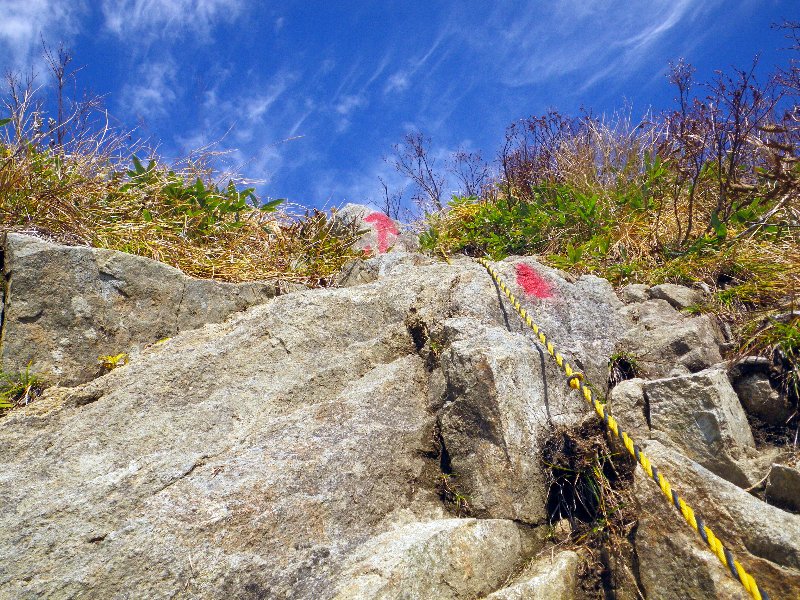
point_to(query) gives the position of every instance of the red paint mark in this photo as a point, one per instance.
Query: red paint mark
(533, 284)
(385, 227)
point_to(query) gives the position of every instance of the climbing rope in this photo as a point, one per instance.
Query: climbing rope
(576, 382)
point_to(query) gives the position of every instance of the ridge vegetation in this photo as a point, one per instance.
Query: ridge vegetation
(67, 173)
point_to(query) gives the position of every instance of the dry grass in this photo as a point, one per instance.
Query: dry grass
(88, 190)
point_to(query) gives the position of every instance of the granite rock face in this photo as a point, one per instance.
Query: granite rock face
(700, 415)
(761, 400)
(67, 305)
(258, 456)
(673, 560)
(678, 296)
(309, 445)
(783, 486)
(448, 559)
(555, 578)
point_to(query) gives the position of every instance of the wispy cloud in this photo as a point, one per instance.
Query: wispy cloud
(397, 82)
(152, 17)
(153, 92)
(595, 39)
(401, 79)
(345, 107)
(251, 129)
(24, 23)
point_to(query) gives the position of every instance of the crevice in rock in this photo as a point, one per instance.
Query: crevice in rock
(31, 319)
(427, 343)
(646, 408)
(84, 397)
(177, 328)
(109, 278)
(502, 305)
(621, 367)
(417, 329)
(445, 466)
(606, 574)
(448, 488)
(198, 463)
(584, 475)
(635, 566)
(5, 298)
(97, 538)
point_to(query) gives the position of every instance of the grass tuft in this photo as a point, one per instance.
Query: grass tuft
(19, 389)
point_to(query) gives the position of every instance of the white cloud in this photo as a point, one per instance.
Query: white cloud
(153, 17)
(252, 131)
(23, 24)
(256, 108)
(597, 39)
(153, 92)
(349, 103)
(397, 83)
(401, 79)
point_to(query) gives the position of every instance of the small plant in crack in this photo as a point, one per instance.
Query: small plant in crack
(111, 362)
(20, 388)
(445, 482)
(589, 485)
(622, 366)
(450, 493)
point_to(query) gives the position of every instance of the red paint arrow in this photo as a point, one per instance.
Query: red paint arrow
(385, 227)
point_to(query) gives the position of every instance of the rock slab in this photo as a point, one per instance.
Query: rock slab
(700, 414)
(67, 305)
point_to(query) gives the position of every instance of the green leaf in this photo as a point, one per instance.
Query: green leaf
(4, 122)
(719, 227)
(272, 206)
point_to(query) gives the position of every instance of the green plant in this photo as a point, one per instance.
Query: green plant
(111, 362)
(451, 494)
(588, 485)
(778, 336)
(622, 366)
(20, 388)
(77, 181)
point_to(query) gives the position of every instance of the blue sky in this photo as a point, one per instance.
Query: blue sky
(309, 97)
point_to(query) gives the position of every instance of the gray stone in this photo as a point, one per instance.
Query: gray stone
(296, 450)
(659, 343)
(551, 577)
(492, 423)
(673, 560)
(651, 314)
(700, 414)
(679, 296)
(448, 559)
(256, 456)
(783, 487)
(634, 292)
(628, 405)
(67, 305)
(761, 400)
(504, 394)
(360, 271)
